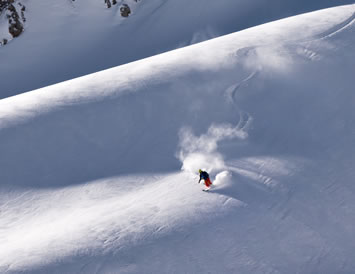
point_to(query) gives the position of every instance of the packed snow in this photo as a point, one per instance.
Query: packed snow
(99, 174)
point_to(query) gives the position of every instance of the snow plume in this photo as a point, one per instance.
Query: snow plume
(222, 179)
(201, 152)
(275, 58)
(204, 35)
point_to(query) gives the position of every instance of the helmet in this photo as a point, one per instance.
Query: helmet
(200, 170)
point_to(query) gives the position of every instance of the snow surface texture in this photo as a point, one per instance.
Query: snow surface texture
(85, 36)
(91, 178)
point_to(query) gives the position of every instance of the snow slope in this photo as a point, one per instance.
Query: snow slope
(83, 37)
(91, 178)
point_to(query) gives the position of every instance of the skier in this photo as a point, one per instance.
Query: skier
(206, 177)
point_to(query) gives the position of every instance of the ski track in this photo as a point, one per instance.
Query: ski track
(337, 29)
(245, 118)
(232, 90)
(330, 32)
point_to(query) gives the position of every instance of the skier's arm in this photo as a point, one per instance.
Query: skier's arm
(200, 179)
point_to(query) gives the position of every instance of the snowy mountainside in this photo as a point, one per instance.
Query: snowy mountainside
(98, 174)
(81, 37)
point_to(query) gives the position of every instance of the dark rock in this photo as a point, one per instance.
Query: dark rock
(125, 10)
(108, 3)
(16, 29)
(11, 8)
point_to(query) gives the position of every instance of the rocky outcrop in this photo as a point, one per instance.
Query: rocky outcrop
(108, 3)
(15, 14)
(15, 24)
(125, 10)
(14, 11)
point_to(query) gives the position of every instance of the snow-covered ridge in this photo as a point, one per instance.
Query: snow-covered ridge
(161, 68)
(91, 178)
(82, 37)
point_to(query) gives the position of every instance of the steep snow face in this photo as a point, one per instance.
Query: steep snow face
(91, 176)
(81, 37)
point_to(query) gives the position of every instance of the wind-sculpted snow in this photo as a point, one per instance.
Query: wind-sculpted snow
(106, 215)
(91, 174)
